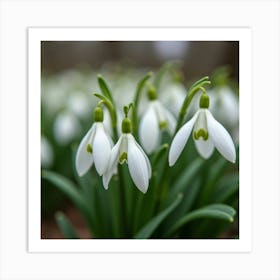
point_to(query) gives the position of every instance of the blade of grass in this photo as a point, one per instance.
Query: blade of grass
(65, 226)
(213, 211)
(71, 191)
(151, 226)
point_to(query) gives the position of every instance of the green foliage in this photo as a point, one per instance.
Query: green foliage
(65, 226)
(193, 196)
(151, 226)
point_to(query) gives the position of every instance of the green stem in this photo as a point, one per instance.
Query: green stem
(140, 86)
(123, 220)
(162, 188)
(193, 91)
(112, 112)
(163, 70)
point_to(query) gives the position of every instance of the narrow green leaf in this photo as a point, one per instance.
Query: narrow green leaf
(69, 189)
(186, 177)
(164, 69)
(159, 154)
(216, 171)
(151, 226)
(213, 211)
(226, 187)
(199, 82)
(104, 87)
(65, 226)
(139, 88)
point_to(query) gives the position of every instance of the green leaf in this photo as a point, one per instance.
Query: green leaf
(200, 82)
(65, 226)
(227, 186)
(104, 88)
(213, 211)
(151, 226)
(163, 70)
(69, 189)
(139, 88)
(186, 177)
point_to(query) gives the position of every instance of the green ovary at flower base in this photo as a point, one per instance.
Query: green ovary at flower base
(207, 134)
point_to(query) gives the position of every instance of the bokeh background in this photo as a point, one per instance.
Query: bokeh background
(69, 70)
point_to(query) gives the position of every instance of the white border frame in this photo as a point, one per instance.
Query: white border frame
(243, 35)
(262, 16)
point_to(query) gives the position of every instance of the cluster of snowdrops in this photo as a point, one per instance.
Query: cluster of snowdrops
(142, 145)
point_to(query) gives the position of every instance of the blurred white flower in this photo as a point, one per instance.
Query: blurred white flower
(207, 134)
(46, 153)
(173, 96)
(225, 105)
(66, 127)
(95, 148)
(154, 119)
(80, 104)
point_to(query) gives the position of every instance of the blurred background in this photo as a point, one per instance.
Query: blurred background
(199, 57)
(69, 78)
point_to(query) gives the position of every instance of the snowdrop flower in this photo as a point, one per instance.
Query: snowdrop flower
(154, 119)
(173, 96)
(95, 147)
(129, 151)
(207, 134)
(66, 127)
(225, 105)
(79, 104)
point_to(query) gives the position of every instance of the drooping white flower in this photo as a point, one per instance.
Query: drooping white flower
(173, 96)
(226, 105)
(155, 118)
(95, 148)
(207, 134)
(129, 151)
(66, 127)
(78, 103)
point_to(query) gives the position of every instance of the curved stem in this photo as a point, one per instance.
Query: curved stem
(188, 99)
(140, 86)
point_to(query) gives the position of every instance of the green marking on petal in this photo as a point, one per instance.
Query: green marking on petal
(89, 148)
(200, 133)
(123, 158)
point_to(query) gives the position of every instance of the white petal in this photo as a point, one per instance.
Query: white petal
(84, 159)
(101, 149)
(106, 178)
(114, 157)
(149, 132)
(137, 166)
(171, 121)
(204, 148)
(107, 121)
(180, 140)
(146, 159)
(221, 138)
